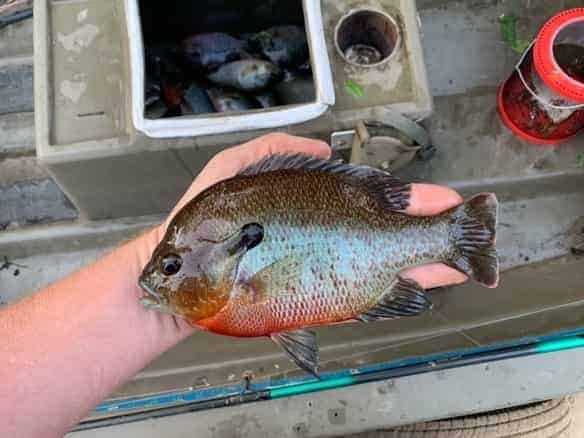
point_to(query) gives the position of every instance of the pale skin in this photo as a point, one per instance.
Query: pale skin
(64, 349)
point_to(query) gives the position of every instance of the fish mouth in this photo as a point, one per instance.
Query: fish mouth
(150, 294)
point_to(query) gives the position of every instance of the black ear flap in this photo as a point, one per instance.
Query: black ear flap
(252, 235)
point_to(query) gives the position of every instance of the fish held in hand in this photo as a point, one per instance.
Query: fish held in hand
(296, 242)
(247, 75)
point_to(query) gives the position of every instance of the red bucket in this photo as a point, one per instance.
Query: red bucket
(543, 100)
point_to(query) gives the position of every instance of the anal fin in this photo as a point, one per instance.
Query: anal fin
(405, 298)
(301, 347)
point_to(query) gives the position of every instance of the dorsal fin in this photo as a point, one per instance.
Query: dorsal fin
(275, 162)
(390, 191)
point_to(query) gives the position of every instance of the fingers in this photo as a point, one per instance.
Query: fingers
(435, 275)
(429, 200)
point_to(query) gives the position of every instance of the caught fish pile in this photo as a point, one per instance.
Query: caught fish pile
(255, 256)
(218, 73)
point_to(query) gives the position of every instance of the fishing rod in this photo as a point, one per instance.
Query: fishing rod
(193, 401)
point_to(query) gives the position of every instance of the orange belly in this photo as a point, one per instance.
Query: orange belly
(254, 320)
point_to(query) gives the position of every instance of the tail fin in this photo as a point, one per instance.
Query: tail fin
(475, 224)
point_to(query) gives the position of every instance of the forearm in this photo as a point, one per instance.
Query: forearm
(66, 348)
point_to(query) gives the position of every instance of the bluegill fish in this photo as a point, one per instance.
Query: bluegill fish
(161, 75)
(155, 109)
(208, 51)
(152, 92)
(198, 101)
(299, 90)
(295, 242)
(161, 65)
(247, 75)
(157, 59)
(266, 99)
(285, 46)
(227, 101)
(173, 94)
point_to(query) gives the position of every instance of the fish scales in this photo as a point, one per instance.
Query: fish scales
(345, 270)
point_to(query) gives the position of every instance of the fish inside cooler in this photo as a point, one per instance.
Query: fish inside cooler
(224, 56)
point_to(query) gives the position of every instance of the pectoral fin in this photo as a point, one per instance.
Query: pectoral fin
(301, 347)
(405, 298)
(274, 279)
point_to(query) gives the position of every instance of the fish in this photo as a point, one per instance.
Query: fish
(155, 110)
(305, 69)
(153, 59)
(175, 111)
(299, 90)
(163, 83)
(208, 51)
(266, 99)
(198, 101)
(290, 75)
(246, 37)
(269, 12)
(158, 69)
(295, 242)
(172, 94)
(285, 46)
(226, 101)
(247, 75)
(152, 92)
(161, 62)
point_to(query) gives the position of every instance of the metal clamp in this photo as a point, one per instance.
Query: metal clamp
(396, 153)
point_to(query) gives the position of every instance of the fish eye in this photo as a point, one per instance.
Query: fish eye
(171, 265)
(252, 235)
